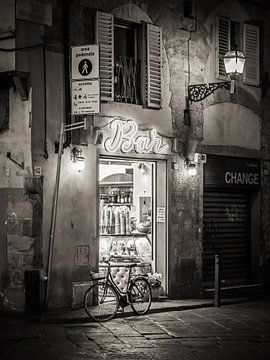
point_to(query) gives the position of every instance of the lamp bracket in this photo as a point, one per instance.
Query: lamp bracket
(199, 92)
(21, 165)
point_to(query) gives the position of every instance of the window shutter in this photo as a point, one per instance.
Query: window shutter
(153, 66)
(223, 35)
(251, 73)
(105, 40)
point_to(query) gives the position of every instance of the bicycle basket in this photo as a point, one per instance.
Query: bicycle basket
(100, 275)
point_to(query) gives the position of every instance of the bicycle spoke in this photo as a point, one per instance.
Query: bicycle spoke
(140, 296)
(101, 302)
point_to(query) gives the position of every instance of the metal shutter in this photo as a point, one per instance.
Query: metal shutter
(105, 39)
(226, 231)
(223, 35)
(153, 68)
(251, 73)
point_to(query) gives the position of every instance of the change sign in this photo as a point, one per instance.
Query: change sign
(85, 62)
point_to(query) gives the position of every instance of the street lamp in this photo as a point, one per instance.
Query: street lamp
(234, 62)
(64, 128)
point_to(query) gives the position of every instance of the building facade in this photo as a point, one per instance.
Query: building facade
(135, 199)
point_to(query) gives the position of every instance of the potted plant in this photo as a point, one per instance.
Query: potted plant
(155, 284)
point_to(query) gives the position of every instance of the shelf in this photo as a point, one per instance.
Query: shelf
(117, 204)
(137, 234)
(116, 184)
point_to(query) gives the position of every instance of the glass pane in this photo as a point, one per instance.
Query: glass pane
(125, 210)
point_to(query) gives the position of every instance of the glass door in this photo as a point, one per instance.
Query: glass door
(126, 202)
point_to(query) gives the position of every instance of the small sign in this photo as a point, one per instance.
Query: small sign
(85, 97)
(230, 172)
(161, 214)
(85, 62)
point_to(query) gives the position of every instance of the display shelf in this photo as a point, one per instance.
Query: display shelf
(137, 234)
(118, 204)
(116, 183)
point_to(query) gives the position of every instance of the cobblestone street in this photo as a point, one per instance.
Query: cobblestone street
(240, 331)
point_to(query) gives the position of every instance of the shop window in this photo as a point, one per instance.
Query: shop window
(234, 35)
(125, 210)
(130, 61)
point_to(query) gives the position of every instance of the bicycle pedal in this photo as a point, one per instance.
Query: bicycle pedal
(121, 310)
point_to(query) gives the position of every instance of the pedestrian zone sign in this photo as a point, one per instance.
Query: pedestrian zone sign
(85, 97)
(85, 62)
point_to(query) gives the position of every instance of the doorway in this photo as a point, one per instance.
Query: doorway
(131, 192)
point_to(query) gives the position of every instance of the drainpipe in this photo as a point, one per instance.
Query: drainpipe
(66, 49)
(61, 146)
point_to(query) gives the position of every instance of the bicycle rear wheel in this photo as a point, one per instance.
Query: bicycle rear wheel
(140, 296)
(101, 302)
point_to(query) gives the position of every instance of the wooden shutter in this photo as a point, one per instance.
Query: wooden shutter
(223, 35)
(153, 66)
(105, 40)
(251, 74)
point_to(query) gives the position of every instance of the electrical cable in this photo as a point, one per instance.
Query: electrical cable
(23, 48)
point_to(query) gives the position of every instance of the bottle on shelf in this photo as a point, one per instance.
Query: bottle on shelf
(122, 198)
(126, 197)
(144, 212)
(130, 199)
(113, 197)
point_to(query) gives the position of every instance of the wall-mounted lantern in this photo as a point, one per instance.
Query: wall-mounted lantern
(234, 62)
(191, 167)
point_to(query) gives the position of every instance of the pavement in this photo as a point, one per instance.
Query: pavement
(182, 329)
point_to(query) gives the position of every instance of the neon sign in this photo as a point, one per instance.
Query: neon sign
(126, 139)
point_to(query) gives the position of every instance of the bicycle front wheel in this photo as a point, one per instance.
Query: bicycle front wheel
(101, 302)
(140, 296)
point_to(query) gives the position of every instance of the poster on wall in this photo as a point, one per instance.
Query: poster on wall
(161, 214)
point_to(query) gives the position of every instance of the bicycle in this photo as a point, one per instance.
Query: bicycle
(103, 298)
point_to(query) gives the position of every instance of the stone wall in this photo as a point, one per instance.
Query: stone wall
(24, 231)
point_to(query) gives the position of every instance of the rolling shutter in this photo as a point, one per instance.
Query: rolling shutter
(251, 74)
(223, 34)
(226, 231)
(153, 66)
(105, 40)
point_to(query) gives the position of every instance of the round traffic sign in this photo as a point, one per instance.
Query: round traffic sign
(85, 67)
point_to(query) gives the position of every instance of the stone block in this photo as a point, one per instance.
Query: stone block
(15, 260)
(37, 205)
(16, 279)
(78, 291)
(15, 298)
(26, 227)
(33, 184)
(28, 261)
(37, 226)
(18, 243)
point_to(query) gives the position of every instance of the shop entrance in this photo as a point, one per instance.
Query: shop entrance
(130, 192)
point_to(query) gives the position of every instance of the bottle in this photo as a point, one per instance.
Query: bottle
(122, 197)
(130, 195)
(122, 223)
(126, 197)
(118, 199)
(113, 197)
(117, 222)
(144, 212)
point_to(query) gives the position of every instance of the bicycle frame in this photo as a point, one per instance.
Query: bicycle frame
(122, 295)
